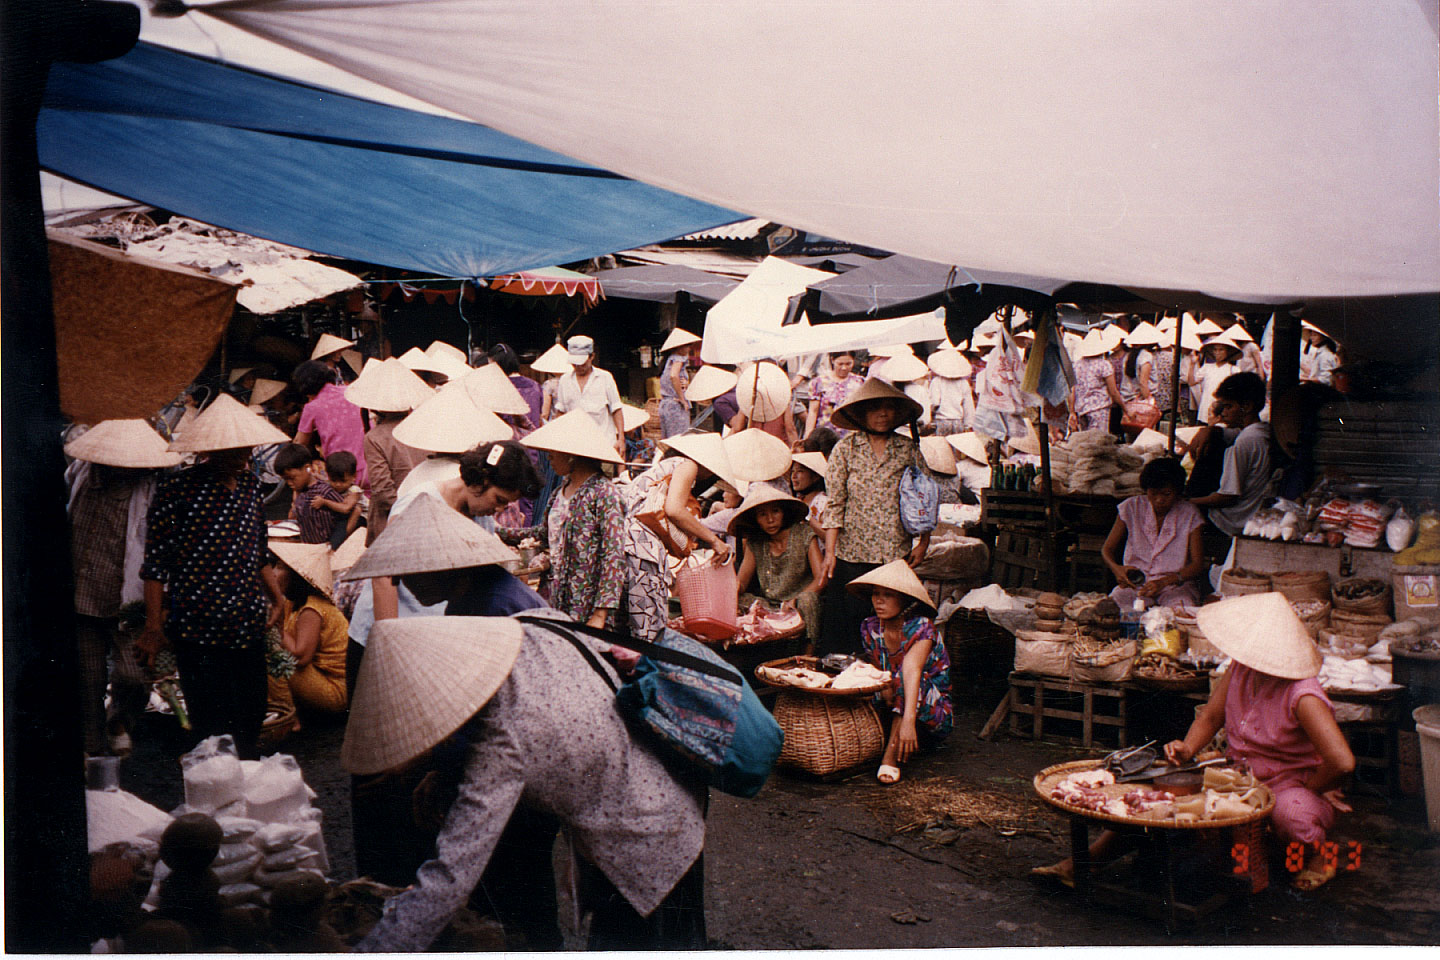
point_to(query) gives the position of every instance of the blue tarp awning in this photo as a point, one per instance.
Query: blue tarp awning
(341, 175)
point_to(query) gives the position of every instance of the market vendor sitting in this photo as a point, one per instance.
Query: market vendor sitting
(781, 563)
(1277, 720)
(900, 638)
(1162, 537)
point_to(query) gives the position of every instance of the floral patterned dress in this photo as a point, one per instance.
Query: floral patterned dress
(933, 711)
(588, 561)
(832, 393)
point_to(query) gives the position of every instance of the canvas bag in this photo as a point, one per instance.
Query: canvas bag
(693, 707)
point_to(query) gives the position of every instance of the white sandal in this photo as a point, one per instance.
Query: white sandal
(887, 774)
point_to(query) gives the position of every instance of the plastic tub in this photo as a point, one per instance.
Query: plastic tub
(1427, 725)
(708, 597)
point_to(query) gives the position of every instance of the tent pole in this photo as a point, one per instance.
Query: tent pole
(1175, 383)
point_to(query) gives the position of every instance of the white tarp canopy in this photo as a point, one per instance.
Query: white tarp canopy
(747, 323)
(1244, 148)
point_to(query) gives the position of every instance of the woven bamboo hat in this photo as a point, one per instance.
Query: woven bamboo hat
(450, 422)
(1239, 334)
(310, 560)
(266, 390)
(708, 383)
(1261, 631)
(902, 368)
(1114, 335)
(553, 361)
(939, 455)
(328, 344)
(756, 455)
(815, 462)
(1029, 442)
(492, 390)
(427, 471)
(743, 522)
(706, 449)
(389, 386)
(1208, 328)
(439, 348)
(1166, 324)
(678, 338)
(348, 552)
(949, 363)
(1094, 344)
(574, 433)
(898, 576)
(633, 418)
(428, 536)
(239, 372)
(970, 445)
(123, 443)
(1188, 341)
(421, 679)
(353, 360)
(1145, 334)
(225, 425)
(439, 362)
(415, 359)
(872, 389)
(1226, 338)
(892, 350)
(762, 391)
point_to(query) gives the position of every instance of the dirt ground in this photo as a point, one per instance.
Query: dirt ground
(941, 859)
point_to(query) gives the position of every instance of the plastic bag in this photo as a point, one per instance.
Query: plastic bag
(1426, 548)
(919, 501)
(277, 836)
(239, 871)
(275, 789)
(1140, 415)
(1399, 531)
(213, 778)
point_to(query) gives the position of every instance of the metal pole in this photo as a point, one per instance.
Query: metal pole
(1175, 382)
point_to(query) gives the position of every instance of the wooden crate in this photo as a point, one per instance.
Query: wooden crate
(1013, 508)
(1026, 558)
(1062, 709)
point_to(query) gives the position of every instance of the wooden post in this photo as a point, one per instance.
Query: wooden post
(1175, 382)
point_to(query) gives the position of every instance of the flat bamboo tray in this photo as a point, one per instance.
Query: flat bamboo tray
(1046, 779)
(810, 663)
(1198, 682)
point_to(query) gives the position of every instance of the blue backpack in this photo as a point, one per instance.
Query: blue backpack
(690, 705)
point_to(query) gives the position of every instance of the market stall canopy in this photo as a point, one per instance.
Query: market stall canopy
(1243, 147)
(131, 332)
(749, 323)
(340, 175)
(664, 284)
(549, 282)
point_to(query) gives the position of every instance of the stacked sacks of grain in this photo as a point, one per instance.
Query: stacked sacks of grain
(1092, 462)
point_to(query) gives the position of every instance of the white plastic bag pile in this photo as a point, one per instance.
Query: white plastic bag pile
(1092, 462)
(1338, 673)
(1285, 520)
(271, 829)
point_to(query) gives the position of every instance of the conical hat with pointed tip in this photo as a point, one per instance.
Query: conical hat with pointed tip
(309, 560)
(756, 455)
(709, 383)
(225, 425)
(426, 537)
(577, 434)
(450, 422)
(389, 386)
(492, 390)
(762, 391)
(123, 443)
(328, 344)
(555, 361)
(678, 338)
(266, 389)
(897, 576)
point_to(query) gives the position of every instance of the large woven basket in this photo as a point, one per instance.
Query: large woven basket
(1239, 585)
(1302, 584)
(826, 734)
(1378, 604)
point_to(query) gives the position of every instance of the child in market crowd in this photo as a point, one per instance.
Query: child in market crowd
(781, 563)
(807, 482)
(317, 525)
(340, 473)
(900, 638)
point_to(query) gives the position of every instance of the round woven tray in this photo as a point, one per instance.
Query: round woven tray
(739, 640)
(275, 729)
(810, 663)
(1047, 778)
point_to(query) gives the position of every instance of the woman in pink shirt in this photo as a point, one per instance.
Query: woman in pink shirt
(328, 419)
(1161, 534)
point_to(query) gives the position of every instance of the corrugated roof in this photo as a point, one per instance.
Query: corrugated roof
(742, 230)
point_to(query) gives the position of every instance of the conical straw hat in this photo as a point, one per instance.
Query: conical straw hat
(1208, 328)
(1029, 442)
(239, 372)
(633, 417)
(762, 391)
(422, 678)
(949, 363)
(439, 362)
(892, 350)
(708, 383)
(1144, 335)
(123, 443)
(1114, 335)
(328, 344)
(1188, 341)
(348, 552)
(310, 560)
(450, 422)
(353, 360)
(428, 471)
(678, 338)
(706, 449)
(898, 576)
(1261, 631)
(574, 433)
(756, 455)
(743, 522)
(902, 368)
(266, 390)
(428, 536)
(970, 445)
(872, 389)
(1094, 344)
(439, 348)
(492, 390)
(415, 359)
(225, 425)
(814, 461)
(1072, 341)
(554, 361)
(1239, 334)
(1226, 339)
(389, 386)
(939, 455)
(1166, 324)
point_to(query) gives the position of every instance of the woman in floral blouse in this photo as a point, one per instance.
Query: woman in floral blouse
(831, 390)
(584, 528)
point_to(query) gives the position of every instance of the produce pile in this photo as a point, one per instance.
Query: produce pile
(1093, 462)
(760, 624)
(1158, 666)
(805, 675)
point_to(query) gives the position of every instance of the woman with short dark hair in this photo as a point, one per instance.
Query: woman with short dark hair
(1161, 532)
(328, 421)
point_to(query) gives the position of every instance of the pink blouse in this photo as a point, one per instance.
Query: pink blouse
(1157, 549)
(1262, 727)
(338, 423)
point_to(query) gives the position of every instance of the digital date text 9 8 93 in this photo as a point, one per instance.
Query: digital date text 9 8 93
(1336, 856)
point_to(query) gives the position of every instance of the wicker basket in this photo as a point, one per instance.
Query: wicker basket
(1377, 604)
(277, 727)
(977, 645)
(1317, 619)
(1358, 624)
(1302, 585)
(1233, 585)
(826, 734)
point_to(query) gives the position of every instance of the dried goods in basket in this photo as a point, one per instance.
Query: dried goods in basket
(804, 675)
(1361, 595)
(1237, 582)
(1160, 672)
(1299, 585)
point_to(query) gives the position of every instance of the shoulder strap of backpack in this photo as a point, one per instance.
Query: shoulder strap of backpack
(557, 627)
(652, 650)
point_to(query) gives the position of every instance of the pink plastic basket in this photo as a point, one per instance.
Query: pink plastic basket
(707, 600)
